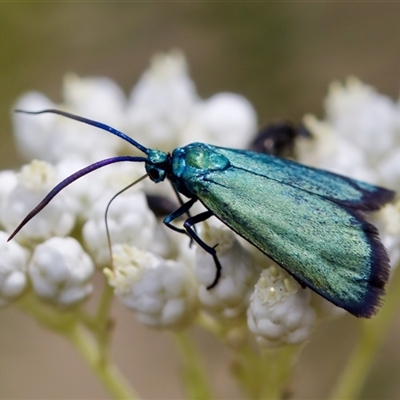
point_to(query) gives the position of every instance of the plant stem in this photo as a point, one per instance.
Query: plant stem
(92, 347)
(277, 366)
(103, 311)
(194, 376)
(102, 321)
(107, 373)
(45, 314)
(265, 375)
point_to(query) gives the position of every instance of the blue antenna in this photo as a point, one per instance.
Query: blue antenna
(90, 122)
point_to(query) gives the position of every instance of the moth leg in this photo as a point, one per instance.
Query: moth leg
(189, 226)
(181, 202)
(183, 209)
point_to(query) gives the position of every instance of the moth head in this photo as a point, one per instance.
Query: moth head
(157, 165)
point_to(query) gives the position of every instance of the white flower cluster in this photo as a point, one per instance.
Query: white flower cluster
(13, 269)
(280, 311)
(162, 292)
(57, 267)
(359, 137)
(154, 270)
(163, 111)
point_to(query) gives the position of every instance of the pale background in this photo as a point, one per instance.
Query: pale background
(281, 56)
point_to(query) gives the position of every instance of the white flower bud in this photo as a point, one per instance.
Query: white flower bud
(34, 182)
(358, 113)
(162, 292)
(60, 271)
(225, 119)
(161, 102)
(104, 182)
(166, 242)
(327, 150)
(230, 296)
(35, 134)
(279, 312)
(98, 98)
(13, 267)
(76, 194)
(53, 138)
(358, 137)
(130, 221)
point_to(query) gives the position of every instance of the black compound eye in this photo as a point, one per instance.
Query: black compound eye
(157, 171)
(154, 174)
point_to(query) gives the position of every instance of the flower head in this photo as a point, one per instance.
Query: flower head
(129, 221)
(52, 138)
(33, 183)
(229, 298)
(61, 272)
(225, 119)
(13, 269)
(162, 292)
(162, 101)
(359, 136)
(280, 312)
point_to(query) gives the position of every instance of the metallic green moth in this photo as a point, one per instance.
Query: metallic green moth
(309, 221)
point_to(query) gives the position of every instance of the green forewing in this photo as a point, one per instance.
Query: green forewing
(305, 219)
(347, 191)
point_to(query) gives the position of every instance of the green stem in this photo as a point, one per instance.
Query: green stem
(260, 375)
(209, 324)
(195, 378)
(277, 365)
(373, 333)
(265, 375)
(46, 314)
(93, 348)
(101, 316)
(107, 373)
(102, 320)
(103, 311)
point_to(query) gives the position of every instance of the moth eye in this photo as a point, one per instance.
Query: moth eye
(154, 174)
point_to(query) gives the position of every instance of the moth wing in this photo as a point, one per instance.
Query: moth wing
(340, 189)
(328, 247)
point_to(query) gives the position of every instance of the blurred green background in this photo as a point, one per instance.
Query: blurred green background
(281, 56)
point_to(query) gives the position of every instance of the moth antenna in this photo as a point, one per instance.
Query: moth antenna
(108, 207)
(67, 181)
(88, 121)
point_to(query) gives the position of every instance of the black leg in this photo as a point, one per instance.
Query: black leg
(183, 209)
(190, 230)
(178, 195)
(181, 202)
(188, 224)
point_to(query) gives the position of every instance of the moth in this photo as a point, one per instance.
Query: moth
(309, 221)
